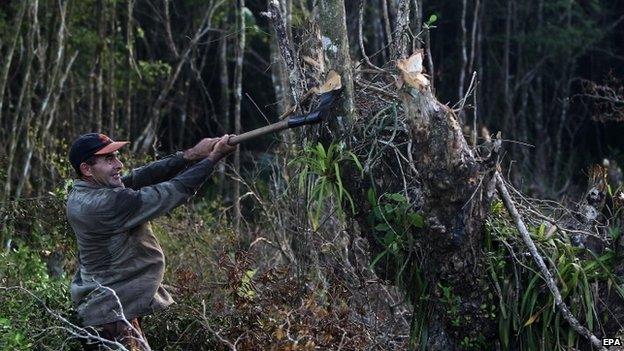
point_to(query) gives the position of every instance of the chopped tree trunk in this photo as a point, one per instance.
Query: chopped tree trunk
(454, 207)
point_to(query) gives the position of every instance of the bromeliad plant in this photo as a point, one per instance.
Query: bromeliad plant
(321, 178)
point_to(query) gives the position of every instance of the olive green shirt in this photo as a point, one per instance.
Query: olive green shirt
(121, 264)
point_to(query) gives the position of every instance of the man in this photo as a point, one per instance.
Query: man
(121, 264)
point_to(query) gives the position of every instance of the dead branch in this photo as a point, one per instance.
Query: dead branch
(72, 329)
(552, 286)
(361, 40)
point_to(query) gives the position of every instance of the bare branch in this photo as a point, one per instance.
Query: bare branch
(550, 282)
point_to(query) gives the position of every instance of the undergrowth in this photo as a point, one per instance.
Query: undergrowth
(229, 291)
(527, 316)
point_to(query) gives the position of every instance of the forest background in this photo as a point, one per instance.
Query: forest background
(379, 229)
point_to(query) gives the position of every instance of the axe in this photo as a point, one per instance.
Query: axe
(328, 93)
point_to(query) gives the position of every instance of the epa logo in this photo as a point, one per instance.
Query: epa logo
(611, 342)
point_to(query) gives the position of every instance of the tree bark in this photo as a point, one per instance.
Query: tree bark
(284, 43)
(336, 50)
(402, 37)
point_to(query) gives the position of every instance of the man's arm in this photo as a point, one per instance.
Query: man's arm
(134, 207)
(166, 168)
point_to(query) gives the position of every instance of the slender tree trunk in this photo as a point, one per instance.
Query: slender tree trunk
(336, 50)
(463, 53)
(99, 58)
(287, 50)
(225, 107)
(417, 25)
(507, 70)
(56, 79)
(147, 139)
(386, 21)
(238, 87)
(378, 35)
(402, 37)
(8, 57)
(112, 98)
(23, 110)
(129, 68)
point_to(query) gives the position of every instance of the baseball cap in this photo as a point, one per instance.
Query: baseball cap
(91, 144)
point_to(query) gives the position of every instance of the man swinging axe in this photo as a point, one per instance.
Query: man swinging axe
(121, 265)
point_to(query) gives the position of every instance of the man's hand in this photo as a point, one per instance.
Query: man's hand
(221, 149)
(201, 150)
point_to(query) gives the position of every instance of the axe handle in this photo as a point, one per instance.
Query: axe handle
(271, 128)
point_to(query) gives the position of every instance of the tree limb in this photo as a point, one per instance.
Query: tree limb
(550, 281)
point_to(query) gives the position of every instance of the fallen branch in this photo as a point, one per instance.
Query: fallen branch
(71, 328)
(552, 286)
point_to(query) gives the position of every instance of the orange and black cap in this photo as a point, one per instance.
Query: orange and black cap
(91, 144)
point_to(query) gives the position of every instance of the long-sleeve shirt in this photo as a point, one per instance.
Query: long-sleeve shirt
(121, 264)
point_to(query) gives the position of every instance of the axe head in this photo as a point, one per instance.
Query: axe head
(326, 101)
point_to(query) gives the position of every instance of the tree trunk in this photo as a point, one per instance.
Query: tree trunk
(336, 50)
(129, 67)
(238, 86)
(286, 49)
(454, 209)
(402, 39)
(8, 58)
(224, 104)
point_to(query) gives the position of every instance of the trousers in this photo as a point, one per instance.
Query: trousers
(130, 336)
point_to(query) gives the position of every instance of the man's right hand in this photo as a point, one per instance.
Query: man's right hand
(221, 149)
(201, 150)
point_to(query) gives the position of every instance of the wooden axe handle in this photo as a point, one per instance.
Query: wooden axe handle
(271, 128)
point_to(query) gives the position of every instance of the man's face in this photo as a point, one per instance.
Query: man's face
(105, 171)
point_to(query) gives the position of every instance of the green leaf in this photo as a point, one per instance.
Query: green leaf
(432, 19)
(397, 197)
(372, 197)
(378, 257)
(416, 220)
(382, 227)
